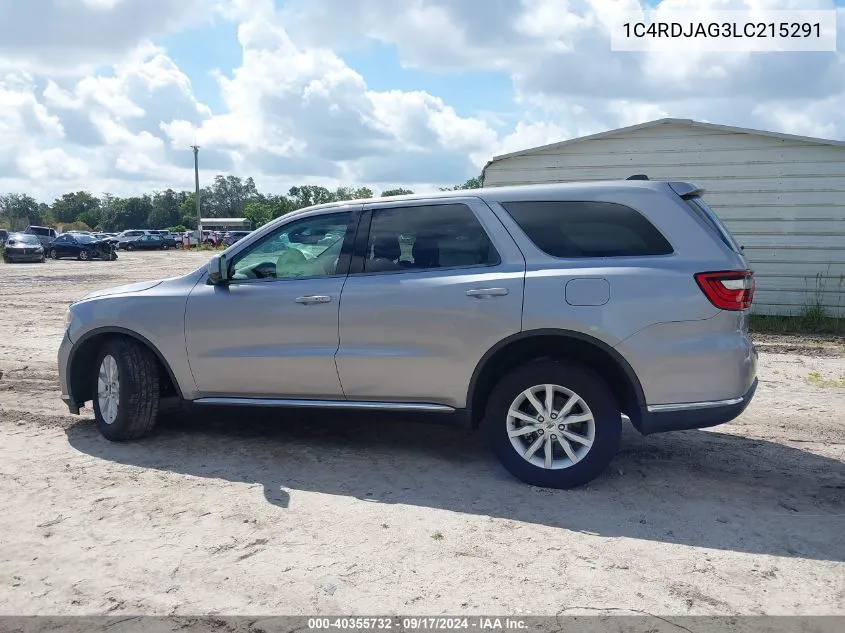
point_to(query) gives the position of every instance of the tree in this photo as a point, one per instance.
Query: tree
(258, 213)
(472, 183)
(19, 210)
(351, 193)
(308, 195)
(228, 195)
(70, 206)
(395, 192)
(165, 210)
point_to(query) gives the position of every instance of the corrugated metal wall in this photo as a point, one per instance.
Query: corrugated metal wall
(784, 200)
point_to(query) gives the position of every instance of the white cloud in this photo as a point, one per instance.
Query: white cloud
(88, 101)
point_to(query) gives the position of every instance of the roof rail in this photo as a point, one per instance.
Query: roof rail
(637, 177)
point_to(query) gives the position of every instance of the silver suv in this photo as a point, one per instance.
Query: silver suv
(546, 315)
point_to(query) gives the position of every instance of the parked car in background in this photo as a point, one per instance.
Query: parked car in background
(107, 237)
(23, 247)
(4, 235)
(45, 234)
(233, 236)
(150, 242)
(125, 236)
(83, 247)
(541, 314)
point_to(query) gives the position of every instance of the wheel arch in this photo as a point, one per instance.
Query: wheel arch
(80, 383)
(532, 345)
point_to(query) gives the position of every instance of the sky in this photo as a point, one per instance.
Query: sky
(109, 95)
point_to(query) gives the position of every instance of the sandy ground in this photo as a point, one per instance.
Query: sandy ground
(279, 513)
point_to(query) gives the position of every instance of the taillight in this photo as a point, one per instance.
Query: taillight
(728, 289)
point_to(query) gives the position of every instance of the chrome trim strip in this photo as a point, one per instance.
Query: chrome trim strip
(328, 404)
(687, 406)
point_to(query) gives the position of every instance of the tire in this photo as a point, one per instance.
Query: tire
(130, 247)
(164, 247)
(54, 254)
(595, 401)
(84, 255)
(133, 413)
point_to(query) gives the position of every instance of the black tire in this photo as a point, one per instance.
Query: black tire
(580, 380)
(130, 247)
(84, 255)
(138, 390)
(54, 254)
(164, 247)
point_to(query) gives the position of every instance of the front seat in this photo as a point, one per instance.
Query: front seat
(386, 253)
(426, 252)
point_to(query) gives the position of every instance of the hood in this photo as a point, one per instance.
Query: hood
(122, 290)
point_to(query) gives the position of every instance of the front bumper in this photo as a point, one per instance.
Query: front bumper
(24, 257)
(64, 377)
(696, 415)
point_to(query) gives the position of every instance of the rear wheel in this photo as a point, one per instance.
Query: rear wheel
(54, 254)
(164, 247)
(84, 255)
(553, 424)
(126, 397)
(130, 247)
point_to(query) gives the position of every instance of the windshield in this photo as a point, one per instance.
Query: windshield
(21, 238)
(85, 239)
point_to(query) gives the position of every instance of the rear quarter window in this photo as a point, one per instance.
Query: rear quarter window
(571, 229)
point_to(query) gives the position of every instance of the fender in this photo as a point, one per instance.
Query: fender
(585, 338)
(131, 334)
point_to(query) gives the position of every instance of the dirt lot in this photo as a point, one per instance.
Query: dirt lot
(271, 513)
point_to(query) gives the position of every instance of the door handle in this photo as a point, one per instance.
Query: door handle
(313, 299)
(487, 292)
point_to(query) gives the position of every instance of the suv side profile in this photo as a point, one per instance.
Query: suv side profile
(542, 314)
(45, 234)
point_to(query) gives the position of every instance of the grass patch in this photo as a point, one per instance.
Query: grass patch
(816, 379)
(437, 536)
(813, 319)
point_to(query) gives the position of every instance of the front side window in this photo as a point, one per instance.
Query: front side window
(427, 237)
(570, 229)
(309, 247)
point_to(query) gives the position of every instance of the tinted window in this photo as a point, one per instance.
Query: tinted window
(709, 217)
(426, 237)
(587, 229)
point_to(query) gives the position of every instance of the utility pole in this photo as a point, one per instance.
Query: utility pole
(196, 149)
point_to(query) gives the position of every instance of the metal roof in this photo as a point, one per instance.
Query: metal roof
(666, 121)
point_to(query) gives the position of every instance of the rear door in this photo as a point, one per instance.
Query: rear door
(433, 286)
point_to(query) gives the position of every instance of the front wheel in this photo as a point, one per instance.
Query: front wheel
(126, 398)
(130, 247)
(164, 247)
(553, 424)
(84, 255)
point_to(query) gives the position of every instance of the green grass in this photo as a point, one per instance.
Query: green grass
(811, 320)
(437, 536)
(815, 378)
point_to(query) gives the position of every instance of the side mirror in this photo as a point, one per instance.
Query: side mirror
(218, 269)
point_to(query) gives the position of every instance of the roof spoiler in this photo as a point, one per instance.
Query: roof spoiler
(686, 190)
(637, 177)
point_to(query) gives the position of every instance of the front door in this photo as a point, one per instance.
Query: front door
(272, 332)
(433, 286)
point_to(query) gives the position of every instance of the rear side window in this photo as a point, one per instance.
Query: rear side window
(709, 217)
(570, 229)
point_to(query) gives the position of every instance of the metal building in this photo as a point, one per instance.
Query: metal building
(781, 195)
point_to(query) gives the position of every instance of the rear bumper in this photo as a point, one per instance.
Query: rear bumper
(695, 415)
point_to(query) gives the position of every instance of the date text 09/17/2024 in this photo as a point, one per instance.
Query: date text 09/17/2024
(416, 623)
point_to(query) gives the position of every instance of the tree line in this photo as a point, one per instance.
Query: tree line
(226, 197)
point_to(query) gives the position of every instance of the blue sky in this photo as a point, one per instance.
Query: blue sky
(354, 92)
